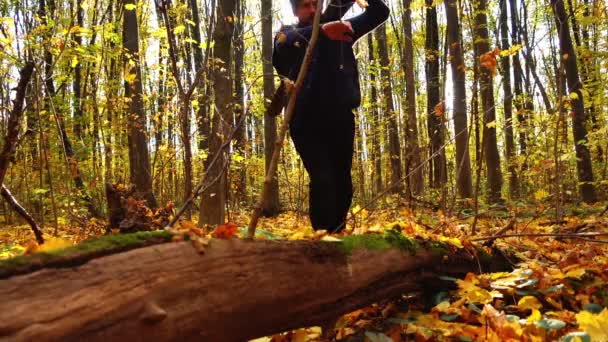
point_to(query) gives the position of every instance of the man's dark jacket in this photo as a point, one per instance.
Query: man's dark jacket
(333, 78)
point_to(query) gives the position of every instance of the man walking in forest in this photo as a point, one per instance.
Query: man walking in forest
(323, 125)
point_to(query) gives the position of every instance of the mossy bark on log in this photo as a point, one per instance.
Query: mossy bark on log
(236, 290)
(81, 253)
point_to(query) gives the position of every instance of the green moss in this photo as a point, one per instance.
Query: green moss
(396, 239)
(371, 241)
(437, 247)
(113, 242)
(390, 239)
(82, 252)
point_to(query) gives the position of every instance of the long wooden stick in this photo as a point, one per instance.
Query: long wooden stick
(257, 212)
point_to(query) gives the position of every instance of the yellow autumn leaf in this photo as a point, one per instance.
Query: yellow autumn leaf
(299, 235)
(442, 307)
(452, 241)
(511, 51)
(330, 238)
(130, 78)
(576, 273)
(534, 317)
(596, 325)
(179, 29)
(474, 293)
(540, 195)
(529, 302)
(54, 243)
(498, 275)
(300, 336)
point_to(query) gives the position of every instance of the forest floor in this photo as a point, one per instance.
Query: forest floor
(558, 290)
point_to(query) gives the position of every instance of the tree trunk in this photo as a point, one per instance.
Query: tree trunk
(463, 160)
(434, 104)
(204, 97)
(586, 60)
(416, 182)
(508, 103)
(272, 205)
(475, 114)
(213, 200)
(139, 158)
(528, 94)
(492, 157)
(583, 164)
(360, 153)
(239, 93)
(78, 98)
(186, 141)
(518, 79)
(593, 72)
(394, 146)
(235, 291)
(376, 131)
(161, 100)
(199, 61)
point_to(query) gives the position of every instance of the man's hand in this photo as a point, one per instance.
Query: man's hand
(338, 30)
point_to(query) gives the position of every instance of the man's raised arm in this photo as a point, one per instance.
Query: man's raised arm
(292, 36)
(375, 14)
(336, 10)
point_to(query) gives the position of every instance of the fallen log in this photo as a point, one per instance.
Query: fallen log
(236, 290)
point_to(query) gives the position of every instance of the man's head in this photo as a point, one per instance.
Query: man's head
(304, 10)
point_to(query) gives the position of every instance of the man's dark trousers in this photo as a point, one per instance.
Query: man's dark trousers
(324, 136)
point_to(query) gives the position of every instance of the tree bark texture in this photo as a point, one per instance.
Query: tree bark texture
(235, 291)
(272, 205)
(458, 68)
(579, 131)
(491, 154)
(139, 158)
(394, 146)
